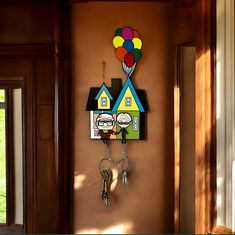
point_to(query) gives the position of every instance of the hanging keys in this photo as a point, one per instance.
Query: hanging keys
(106, 176)
(105, 168)
(123, 165)
(124, 177)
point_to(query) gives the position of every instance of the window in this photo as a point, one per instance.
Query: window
(128, 101)
(11, 160)
(135, 123)
(103, 101)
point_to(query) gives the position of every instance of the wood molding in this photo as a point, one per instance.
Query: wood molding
(27, 50)
(62, 117)
(205, 162)
(29, 151)
(184, 25)
(26, 3)
(13, 229)
(200, 33)
(177, 142)
(10, 163)
(45, 97)
(84, 1)
(24, 69)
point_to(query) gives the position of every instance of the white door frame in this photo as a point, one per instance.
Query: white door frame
(225, 104)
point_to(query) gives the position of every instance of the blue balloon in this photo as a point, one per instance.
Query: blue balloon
(129, 45)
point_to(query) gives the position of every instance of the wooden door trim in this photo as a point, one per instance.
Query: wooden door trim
(24, 70)
(82, 1)
(205, 175)
(27, 50)
(62, 116)
(204, 37)
(177, 142)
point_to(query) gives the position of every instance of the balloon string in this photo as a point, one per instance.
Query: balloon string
(103, 71)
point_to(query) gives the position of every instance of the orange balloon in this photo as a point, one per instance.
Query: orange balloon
(120, 53)
(136, 34)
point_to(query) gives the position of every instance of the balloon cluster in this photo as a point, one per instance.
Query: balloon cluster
(128, 44)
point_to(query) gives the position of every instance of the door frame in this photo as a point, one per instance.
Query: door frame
(23, 71)
(204, 39)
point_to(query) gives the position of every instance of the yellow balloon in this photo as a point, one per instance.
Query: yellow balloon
(137, 43)
(118, 41)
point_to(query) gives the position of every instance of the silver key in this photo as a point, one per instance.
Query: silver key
(106, 176)
(123, 166)
(124, 178)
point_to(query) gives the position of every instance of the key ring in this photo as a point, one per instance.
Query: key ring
(119, 164)
(109, 162)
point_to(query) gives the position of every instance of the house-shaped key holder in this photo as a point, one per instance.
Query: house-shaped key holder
(117, 109)
(118, 112)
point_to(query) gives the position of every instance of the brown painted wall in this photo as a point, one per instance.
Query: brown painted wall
(146, 205)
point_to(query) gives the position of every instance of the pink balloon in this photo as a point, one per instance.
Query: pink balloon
(127, 33)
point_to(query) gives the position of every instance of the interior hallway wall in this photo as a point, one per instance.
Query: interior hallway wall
(147, 204)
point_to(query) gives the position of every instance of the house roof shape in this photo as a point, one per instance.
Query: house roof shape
(116, 91)
(128, 84)
(104, 88)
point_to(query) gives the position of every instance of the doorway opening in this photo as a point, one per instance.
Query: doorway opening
(185, 140)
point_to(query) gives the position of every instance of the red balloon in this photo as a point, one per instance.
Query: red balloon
(136, 34)
(129, 60)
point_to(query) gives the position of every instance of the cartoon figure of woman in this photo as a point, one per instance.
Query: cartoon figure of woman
(124, 120)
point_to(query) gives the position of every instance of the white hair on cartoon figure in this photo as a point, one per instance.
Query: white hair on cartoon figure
(124, 117)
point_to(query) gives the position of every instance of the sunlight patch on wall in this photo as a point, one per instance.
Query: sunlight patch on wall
(79, 181)
(218, 82)
(115, 180)
(123, 228)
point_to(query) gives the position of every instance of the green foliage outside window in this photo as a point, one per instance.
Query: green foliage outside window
(2, 96)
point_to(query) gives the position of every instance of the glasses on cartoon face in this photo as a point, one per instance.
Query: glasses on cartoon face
(108, 122)
(123, 123)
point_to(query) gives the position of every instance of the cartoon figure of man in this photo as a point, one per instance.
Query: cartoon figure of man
(105, 124)
(124, 120)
